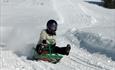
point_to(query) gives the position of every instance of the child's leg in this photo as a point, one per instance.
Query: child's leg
(62, 50)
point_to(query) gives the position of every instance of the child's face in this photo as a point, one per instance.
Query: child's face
(53, 27)
(51, 31)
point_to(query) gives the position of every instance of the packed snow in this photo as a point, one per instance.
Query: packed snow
(88, 27)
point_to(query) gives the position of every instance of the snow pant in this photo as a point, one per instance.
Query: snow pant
(55, 49)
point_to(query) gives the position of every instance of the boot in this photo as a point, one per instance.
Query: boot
(67, 50)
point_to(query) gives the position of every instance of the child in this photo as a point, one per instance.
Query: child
(47, 37)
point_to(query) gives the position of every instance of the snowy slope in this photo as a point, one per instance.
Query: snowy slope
(89, 28)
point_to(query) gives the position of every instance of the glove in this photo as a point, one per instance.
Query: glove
(39, 48)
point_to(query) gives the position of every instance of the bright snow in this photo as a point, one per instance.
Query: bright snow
(85, 24)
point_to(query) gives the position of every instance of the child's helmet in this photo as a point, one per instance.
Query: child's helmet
(52, 25)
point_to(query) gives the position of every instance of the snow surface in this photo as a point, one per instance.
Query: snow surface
(88, 27)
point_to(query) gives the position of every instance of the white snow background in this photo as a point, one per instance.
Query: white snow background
(85, 24)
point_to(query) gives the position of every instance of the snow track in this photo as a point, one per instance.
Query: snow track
(85, 10)
(86, 63)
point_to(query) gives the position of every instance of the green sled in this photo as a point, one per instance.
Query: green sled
(50, 57)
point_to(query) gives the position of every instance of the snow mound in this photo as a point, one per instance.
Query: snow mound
(94, 43)
(11, 61)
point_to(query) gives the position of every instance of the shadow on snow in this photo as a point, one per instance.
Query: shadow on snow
(95, 43)
(96, 3)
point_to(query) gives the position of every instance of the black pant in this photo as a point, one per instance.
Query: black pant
(55, 49)
(60, 50)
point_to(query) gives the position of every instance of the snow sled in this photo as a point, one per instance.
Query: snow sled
(47, 56)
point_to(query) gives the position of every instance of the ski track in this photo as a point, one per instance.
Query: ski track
(84, 9)
(85, 62)
(76, 62)
(85, 14)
